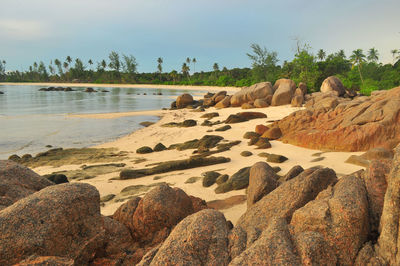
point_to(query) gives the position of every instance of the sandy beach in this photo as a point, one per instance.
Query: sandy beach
(150, 136)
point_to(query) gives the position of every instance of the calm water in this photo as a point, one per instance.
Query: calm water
(31, 119)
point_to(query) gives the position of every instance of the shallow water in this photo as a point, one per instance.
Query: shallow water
(31, 119)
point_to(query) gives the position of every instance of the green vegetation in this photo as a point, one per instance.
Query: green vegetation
(359, 71)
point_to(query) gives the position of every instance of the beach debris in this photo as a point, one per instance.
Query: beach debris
(144, 150)
(170, 166)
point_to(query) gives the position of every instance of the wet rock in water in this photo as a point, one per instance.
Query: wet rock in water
(1, 92)
(144, 150)
(57, 178)
(284, 90)
(293, 172)
(169, 166)
(222, 179)
(246, 153)
(276, 158)
(252, 93)
(199, 239)
(223, 128)
(272, 133)
(239, 180)
(90, 90)
(262, 180)
(159, 147)
(107, 197)
(62, 220)
(263, 143)
(210, 178)
(17, 182)
(210, 115)
(333, 84)
(105, 91)
(297, 192)
(250, 134)
(340, 215)
(184, 100)
(146, 123)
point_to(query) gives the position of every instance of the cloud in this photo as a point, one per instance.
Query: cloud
(22, 30)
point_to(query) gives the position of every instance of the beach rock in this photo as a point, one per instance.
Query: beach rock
(297, 192)
(223, 128)
(1, 92)
(198, 204)
(157, 213)
(357, 160)
(200, 239)
(232, 119)
(173, 105)
(188, 123)
(210, 178)
(247, 106)
(144, 150)
(356, 125)
(222, 179)
(46, 260)
(118, 238)
(14, 158)
(261, 103)
(254, 140)
(272, 133)
(184, 100)
(62, 220)
(284, 90)
(90, 90)
(297, 101)
(378, 153)
(239, 180)
(17, 182)
(224, 103)
(125, 212)
(210, 115)
(293, 172)
(107, 198)
(159, 147)
(262, 180)
(333, 84)
(368, 256)
(260, 129)
(251, 115)
(250, 135)
(303, 88)
(252, 93)
(276, 158)
(340, 215)
(57, 178)
(218, 96)
(262, 143)
(146, 123)
(314, 250)
(246, 153)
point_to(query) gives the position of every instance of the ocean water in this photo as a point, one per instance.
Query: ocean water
(31, 119)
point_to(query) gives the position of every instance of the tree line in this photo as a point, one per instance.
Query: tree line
(359, 71)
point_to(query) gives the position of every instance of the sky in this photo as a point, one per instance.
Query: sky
(211, 31)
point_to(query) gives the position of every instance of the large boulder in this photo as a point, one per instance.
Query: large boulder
(200, 239)
(356, 125)
(250, 94)
(333, 84)
(340, 215)
(282, 202)
(224, 103)
(283, 92)
(184, 100)
(262, 180)
(17, 182)
(62, 220)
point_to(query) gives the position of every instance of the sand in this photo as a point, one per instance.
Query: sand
(154, 134)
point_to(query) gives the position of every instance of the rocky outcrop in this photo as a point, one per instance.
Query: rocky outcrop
(184, 100)
(333, 84)
(224, 103)
(252, 93)
(200, 239)
(356, 125)
(283, 92)
(17, 182)
(262, 180)
(340, 215)
(62, 220)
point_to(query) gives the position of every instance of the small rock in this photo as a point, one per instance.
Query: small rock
(293, 172)
(223, 128)
(263, 143)
(159, 147)
(210, 115)
(222, 179)
(144, 149)
(210, 178)
(276, 158)
(250, 134)
(192, 179)
(107, 197)
(57, 178)
(272, 133)
(261, 103)
(246, 153)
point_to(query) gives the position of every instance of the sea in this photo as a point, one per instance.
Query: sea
(33, 121)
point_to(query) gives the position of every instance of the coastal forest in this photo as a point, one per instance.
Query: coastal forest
(361, 70)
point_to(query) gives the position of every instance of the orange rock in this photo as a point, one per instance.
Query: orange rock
(260, 129)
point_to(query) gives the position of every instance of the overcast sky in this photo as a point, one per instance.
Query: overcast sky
(210, 30)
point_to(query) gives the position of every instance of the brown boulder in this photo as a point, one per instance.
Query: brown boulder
(297, 192)
(199, 239)
(62, 220)
(333, 84)
(262, 180)
(293, 172)
(303, 88)
(46, 260)
(118, 238)
(184, 100)
(17, 182)
(272, 133)
(224, 103)
(340, 215)
(260, 129)
(218, 96)
(297, 101)
(247, 106)
(256, 91)
(261, 103)
(125, 212)
(283, 92)
(313, 249)
(355, 125)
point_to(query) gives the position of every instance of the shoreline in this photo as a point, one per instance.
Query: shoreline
(142, 86)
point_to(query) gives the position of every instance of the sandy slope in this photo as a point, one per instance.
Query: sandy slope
(154, 134)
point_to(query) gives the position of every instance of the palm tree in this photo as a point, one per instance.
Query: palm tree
(103, 64)
(90, 62)
(394, 54)
(174, 75)
(185, 70)
(194, 61)
(321, 54)
(59, 66)
(215, 67)
(69, 59)
(66, 65)
(341, 54)
(159, 66)
(373, 55)
(188, 63)
(357, 58)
